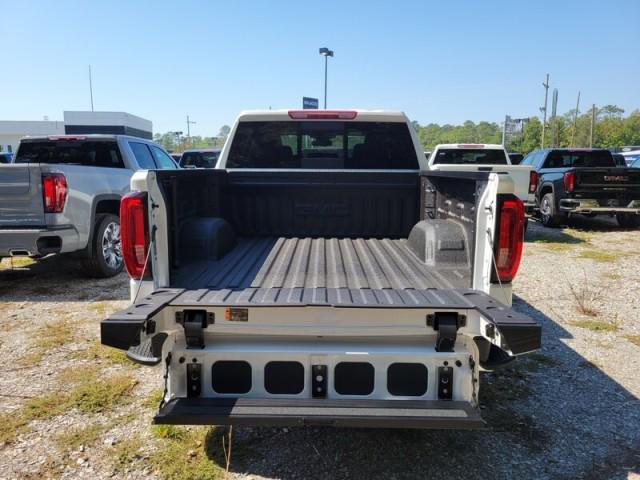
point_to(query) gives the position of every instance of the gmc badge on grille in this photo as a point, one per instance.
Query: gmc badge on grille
(616, 178)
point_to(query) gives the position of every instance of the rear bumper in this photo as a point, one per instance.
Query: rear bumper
(436, 414)
(589, 205)
(38, 241)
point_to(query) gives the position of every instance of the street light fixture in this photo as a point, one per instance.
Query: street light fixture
(326, 53)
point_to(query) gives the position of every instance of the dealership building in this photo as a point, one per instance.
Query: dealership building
(74, 123)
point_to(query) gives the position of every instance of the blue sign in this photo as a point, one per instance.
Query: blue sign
(309, 103)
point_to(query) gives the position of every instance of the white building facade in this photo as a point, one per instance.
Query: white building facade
(74, 123)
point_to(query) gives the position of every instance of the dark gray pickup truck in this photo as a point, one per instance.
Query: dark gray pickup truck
(62, 194)
(584, 181)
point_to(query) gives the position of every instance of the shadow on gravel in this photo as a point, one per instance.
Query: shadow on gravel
(56, 278)
(550, 415)
(580, 224)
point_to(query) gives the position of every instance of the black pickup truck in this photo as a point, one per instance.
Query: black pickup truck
(584, 181)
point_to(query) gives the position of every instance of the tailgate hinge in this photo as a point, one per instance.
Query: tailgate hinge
(194, 323)
(447, 325)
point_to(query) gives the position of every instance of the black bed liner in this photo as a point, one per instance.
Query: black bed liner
(320, 412)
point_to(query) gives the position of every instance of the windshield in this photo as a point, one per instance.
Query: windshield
(470, 156)
(322, 145)
(588, 158)
(71, 152)
(200, 159)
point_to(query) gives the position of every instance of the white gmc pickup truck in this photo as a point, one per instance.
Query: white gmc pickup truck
(319, 275)
(521, 180)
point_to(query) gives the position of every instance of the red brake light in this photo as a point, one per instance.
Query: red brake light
(323, 114)
(510, 236)
(533, 181)
(54, 192)
(134, 233)
(569, 181)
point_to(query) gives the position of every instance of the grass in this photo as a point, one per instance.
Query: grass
(635, 339)
(55, 334)
(86, 391)
(102, 394)
(600, 256)
(31, 359)
(97, 351)
(612, 275)
(126, 452)
(595, 325)
(72, 439)
(585, 297)
(189, 454)
(153, 399)
(100, 308)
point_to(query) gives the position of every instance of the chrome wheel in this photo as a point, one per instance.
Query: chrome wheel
(545, 210)
(111, 249)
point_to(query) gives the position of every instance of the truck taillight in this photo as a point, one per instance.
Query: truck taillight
(533, 181)
(510, 239)
(569, 181)
(54, 192)
(134, 233)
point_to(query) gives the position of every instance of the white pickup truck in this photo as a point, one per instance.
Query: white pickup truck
(320, 276)
(521, 180)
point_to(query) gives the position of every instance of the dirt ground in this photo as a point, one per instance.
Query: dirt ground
(70, 408)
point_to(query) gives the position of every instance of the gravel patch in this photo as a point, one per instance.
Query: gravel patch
(571, 410)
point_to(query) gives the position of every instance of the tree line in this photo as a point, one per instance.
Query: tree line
(611, 129)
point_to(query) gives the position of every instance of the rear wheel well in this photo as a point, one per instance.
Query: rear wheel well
(544, 190)
(108, 206)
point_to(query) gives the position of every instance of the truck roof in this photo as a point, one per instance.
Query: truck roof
(82, 136)
(349, 114)
(470, 146)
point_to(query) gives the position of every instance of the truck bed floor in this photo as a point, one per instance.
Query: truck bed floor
(319, 271)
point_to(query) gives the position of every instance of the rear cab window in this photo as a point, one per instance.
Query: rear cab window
(322, 145)
(199, 159)
(92, 153)
(579, 159)
(470, 156)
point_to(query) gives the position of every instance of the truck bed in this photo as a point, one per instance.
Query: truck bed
(319, 271)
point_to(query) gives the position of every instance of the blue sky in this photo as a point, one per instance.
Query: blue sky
(439, 61)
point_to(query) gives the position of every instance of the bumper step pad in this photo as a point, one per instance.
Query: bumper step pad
(320, 412)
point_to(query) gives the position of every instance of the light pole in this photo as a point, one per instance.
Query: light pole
(326, 53)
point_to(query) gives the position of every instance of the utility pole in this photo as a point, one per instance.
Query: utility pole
(189, 123)
(504, 131)
(575, 120)
(544, 109)
(593, 121)
(90, 88)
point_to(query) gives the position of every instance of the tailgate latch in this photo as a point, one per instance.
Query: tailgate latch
(447, 325)
(194, 323)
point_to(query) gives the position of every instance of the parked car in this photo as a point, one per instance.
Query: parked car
(283, 287)
(6, 157)
(584, 181)
(516, 158)
(62, 195)
(473, 157)
(200, 158)
(631, 156)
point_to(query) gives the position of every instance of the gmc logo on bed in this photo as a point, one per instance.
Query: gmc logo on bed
(322, 209)
(616, 178)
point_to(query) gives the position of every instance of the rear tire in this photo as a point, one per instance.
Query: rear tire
(628, 220)
(549, 217)
(104, 257)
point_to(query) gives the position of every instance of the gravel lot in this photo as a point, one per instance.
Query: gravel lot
(72, 409)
